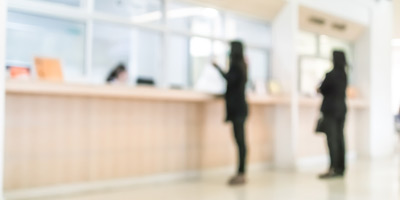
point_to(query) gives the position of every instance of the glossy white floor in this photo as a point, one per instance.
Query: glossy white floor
(365, 180)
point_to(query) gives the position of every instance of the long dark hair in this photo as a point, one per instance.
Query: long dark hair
(237, 58)
(339, 66)
(339, 61)
(115, 72)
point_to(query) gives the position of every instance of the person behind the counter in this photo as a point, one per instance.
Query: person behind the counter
(119, 75)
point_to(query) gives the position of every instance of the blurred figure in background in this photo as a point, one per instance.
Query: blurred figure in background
(236, 105)
(118, 75)
(334, 110)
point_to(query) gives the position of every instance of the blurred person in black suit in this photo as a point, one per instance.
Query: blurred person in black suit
(334, 110)
(236, 104)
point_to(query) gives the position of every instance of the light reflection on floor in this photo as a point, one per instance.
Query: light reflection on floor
(365, 180)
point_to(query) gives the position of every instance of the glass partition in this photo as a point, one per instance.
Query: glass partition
(138, 49)
(171, 42)
(258, 65)
(148, 48)
(220, 53)
(111, 46)
(200, 57)
(30, 36)
(178, 52)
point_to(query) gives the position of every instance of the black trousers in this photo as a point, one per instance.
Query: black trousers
(334, 127)
(239, 133)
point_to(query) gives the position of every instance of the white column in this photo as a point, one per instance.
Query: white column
(284, 71)
(361, 79)
(381, 117)
(3, 15)
(395, 78)
(373, 76)
(396, 5)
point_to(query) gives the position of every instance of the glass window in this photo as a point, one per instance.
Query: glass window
(75, 3)
(307, 43)
(200, 54)
(249, 31)
(198, 20)
(148, 55)
(258, 65)
(111, 46)
(139, 50)
(316, 58)
(178, 61)
(30, 36)
(204, 76)
(329, 44)
(312, 72)
(139, 11)
(220, 53)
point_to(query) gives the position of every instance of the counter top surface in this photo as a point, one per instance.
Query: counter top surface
(105, 91)
(148, 93)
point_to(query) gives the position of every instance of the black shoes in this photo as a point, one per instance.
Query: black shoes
(237, 180)
(331, 174)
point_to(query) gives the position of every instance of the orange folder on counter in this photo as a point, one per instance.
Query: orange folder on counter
(48, 69)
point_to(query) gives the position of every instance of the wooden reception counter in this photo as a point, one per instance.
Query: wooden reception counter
(59, 133)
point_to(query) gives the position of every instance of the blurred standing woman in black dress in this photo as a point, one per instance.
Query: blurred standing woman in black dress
(236, 105)
(334, 110)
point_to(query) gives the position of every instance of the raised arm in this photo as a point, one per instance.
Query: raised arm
(220, 70)
(232, 76)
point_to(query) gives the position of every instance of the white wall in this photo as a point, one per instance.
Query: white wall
(3, 13)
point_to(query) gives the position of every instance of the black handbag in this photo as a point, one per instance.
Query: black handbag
(320, 124)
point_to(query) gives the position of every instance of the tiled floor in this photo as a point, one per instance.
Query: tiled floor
(365, 180)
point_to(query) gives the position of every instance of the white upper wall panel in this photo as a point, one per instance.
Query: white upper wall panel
(353, 10)
(261, 9)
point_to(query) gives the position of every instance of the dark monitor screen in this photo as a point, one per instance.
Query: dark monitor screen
(145, 81)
